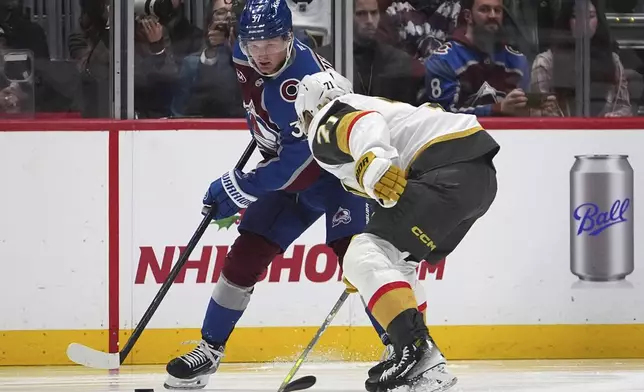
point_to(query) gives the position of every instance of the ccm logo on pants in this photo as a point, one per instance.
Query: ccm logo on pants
(423, 237)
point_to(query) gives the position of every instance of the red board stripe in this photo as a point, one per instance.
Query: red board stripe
(521, 123)
(113, 241)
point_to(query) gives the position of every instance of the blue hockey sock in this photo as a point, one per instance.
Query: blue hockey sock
(226, 307)
(219, 323)
(382, 333)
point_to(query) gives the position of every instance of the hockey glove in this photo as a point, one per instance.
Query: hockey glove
(226, 196)
(381, 179)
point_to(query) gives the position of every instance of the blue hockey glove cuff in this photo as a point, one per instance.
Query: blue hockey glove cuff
(226, 196)
(233, 189)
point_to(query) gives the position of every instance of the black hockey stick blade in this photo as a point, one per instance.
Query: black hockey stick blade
(306, 380)
(301, 383)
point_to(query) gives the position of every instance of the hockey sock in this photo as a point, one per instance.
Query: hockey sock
(382, 334)
(391, 300)
(407, 327)
(226, 307)
(422, 308)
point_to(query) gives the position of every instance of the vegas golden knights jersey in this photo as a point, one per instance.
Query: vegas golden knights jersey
(416, 139)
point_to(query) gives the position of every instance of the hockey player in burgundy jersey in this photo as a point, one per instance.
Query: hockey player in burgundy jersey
(283, 196)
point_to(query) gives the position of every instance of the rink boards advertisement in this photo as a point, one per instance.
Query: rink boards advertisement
(553, 270)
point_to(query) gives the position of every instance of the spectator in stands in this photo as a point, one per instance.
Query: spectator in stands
(184, 36)
(91, 51)
(380, 69)
(11, 94)
(26, 75)
(477, 71)
(419, 27)
(554, 72)
(155, 71)
(208, 84)
(19, 32)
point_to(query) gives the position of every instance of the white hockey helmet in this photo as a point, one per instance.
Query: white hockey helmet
(317, 90)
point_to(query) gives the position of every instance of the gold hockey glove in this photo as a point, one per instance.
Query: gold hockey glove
(385, 180)
(391, 185)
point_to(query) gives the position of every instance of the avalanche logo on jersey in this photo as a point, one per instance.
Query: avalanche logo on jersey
(343, 216)
(288, 89)
(484, 96)
(266, 134)
(241, 77)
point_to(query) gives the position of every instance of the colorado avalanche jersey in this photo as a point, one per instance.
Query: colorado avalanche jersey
(271, 117)
(463, 79)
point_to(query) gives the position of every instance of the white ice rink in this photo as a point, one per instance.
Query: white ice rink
(475, 376)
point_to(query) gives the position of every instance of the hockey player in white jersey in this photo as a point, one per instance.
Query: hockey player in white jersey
(432, 177)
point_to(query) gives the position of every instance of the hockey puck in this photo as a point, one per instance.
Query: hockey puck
(143, 390)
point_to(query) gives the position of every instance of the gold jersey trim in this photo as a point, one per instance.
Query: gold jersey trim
(440, 139)
(343, 129)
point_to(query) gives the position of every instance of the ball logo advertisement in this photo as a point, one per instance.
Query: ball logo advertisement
(601, 221)
(593, 221)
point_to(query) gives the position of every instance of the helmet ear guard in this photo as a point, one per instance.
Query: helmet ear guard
(304, 122)
(318, 90)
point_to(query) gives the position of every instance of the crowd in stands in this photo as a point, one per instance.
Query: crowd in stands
(485, 57)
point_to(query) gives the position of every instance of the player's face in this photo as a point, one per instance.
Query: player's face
(268, 54)
(487, 15)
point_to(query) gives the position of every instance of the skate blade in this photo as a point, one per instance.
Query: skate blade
(402, 388)
(436, 379)
(198, 382)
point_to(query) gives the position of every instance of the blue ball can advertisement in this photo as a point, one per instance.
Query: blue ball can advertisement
(601, 218)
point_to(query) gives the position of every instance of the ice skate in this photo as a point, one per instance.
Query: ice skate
(192, 370)
(386, 359)
(419, 367)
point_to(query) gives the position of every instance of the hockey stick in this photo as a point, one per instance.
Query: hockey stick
(90, 357)
(308, 381)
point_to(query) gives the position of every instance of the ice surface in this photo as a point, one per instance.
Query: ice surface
(475, 376)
